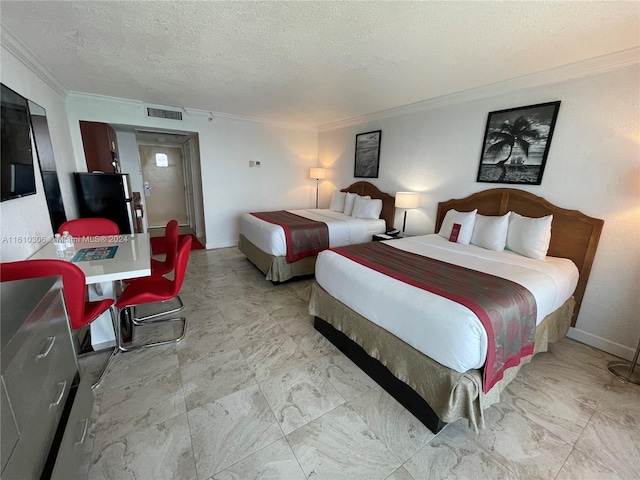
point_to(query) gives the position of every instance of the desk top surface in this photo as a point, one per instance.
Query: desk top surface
(132, 259)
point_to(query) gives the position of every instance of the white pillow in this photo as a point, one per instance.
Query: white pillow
(359, 203)
(529, 236)
(490, 232)
(466, 221)
(348, 203)
(366, 207)
(337, 201)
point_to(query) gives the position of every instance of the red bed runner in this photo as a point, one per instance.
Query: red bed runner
(304, 237)
(506, 310)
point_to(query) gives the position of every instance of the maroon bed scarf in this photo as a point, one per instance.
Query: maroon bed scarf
(304, 237)
(506, 310)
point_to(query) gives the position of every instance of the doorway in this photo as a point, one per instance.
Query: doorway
(164, 189)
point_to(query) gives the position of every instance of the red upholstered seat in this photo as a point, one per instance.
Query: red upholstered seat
(80, 312)
(81, 227)
(157, 288)
(171, 249)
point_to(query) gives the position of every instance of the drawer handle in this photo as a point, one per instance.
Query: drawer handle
(47, 349)
(59, 399)
(84, 432)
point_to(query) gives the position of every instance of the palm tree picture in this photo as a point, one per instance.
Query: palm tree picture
(516, 144)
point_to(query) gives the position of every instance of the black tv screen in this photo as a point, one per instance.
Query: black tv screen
(17, 177)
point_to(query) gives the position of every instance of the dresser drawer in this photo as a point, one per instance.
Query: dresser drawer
(44, 356)
(30, 453)
(75, 451)
(9, 429)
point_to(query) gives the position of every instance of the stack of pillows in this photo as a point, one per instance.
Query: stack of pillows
(524, 235)
(355, 205)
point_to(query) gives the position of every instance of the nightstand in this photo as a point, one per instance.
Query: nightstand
(384, 236)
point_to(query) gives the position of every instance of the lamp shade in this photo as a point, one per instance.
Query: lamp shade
(407, 199)
(317, 173)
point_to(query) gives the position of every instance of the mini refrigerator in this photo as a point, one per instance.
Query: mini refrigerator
(106, 195)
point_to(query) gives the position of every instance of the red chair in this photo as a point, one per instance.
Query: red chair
(81, 312)
(171, 249)
(162, 268)
(84, 227)
(152, 290)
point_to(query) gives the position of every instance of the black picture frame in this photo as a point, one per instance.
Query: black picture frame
(367, 158)
(516, 144)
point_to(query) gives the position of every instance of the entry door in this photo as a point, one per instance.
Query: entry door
(163, 177)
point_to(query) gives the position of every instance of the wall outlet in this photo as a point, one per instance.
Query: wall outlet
(257, 164)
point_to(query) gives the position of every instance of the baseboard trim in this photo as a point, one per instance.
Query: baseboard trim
(600, 343)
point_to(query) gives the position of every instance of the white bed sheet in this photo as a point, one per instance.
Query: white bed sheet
(343, 230)
(442, 329)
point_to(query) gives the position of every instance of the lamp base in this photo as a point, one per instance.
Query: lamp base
(622, 370)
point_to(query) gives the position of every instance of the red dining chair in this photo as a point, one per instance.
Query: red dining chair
(84, 227)
(171, 249)
(152, 290)
(81, 312)
(160, 269)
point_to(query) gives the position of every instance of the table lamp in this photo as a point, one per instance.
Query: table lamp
(317, 173)
(407, 200)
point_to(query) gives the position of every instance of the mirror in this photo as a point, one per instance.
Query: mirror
(47, 162)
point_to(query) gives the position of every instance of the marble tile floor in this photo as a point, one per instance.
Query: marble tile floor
(254, 392)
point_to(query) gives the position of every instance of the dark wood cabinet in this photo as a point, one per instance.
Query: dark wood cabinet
(100, 147)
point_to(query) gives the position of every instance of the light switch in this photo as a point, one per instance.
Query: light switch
(252, 164)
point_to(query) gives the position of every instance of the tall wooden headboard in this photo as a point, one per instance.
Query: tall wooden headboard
(574, 235)
(388, 201)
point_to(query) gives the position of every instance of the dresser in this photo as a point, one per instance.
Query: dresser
(45, 410)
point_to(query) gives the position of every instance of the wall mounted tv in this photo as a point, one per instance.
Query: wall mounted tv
(17, 178)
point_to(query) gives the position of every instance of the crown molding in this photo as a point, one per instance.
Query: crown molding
(18, 49)
(190, 112)
(95, 97)
(570, 71)
(232, 116)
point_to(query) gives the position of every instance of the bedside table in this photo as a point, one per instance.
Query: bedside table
(383, 236)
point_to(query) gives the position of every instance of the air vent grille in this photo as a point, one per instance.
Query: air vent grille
(160, 113)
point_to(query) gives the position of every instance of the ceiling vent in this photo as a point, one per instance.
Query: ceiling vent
(162, 113)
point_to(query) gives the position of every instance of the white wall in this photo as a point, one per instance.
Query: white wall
(26, 219)
(226, 145)
(593, 166)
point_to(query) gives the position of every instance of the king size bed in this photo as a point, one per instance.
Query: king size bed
(429, 347)
(265, 244)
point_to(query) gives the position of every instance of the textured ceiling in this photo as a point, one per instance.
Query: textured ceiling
(309, 63)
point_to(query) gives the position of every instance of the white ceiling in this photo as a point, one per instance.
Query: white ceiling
(309, 63)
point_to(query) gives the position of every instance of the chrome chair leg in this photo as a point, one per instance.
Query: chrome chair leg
(155, 317)
(128, 318)
(116, 349)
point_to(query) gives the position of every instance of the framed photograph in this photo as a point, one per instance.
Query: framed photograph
(516, 144)
(367, 154)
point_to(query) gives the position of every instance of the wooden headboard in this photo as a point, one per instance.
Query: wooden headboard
(388, 201)
(574, 235)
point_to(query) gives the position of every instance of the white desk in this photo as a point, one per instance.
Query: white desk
(132, 260)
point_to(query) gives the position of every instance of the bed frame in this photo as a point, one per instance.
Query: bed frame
(278, 270)
(574, 235)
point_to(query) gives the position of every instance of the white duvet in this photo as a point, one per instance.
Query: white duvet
(442, 329)
(343, 230)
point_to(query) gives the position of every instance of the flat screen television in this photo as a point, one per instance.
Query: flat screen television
(17, 178)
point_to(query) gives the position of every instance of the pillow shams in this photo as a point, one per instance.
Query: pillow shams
(337, 201)
(366, 207)
(529, 236)
(466, 221)
(490, 232)
(348, 203)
